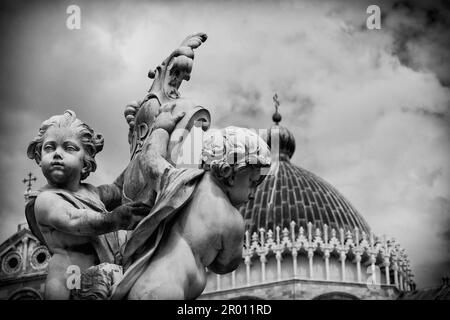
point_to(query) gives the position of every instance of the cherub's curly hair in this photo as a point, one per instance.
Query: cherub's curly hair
(92, 142)
(226, 151)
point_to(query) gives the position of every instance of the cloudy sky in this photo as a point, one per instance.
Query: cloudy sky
(370, 109)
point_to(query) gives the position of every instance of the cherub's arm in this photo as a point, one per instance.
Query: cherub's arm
(53, 211)
(111, 194)
(152, 158)
(230, 256)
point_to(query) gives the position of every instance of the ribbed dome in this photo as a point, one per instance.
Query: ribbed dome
(295, 194)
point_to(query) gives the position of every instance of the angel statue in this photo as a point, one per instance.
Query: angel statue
(187, 218)
(194, 221)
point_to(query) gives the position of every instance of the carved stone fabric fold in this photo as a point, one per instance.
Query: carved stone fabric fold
(178, 185)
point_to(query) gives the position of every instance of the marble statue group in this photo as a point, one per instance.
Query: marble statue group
(151, 233)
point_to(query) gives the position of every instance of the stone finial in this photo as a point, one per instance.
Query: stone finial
(364, 243)
(270, 237)
(318, 233)
(261, 233)
(293, 231)
(341, 233)
(254, 240)
(286, 240)
(318, 242)
(310, 231)
(357, 235)
(247, 239)
(301, 231)
(372, 240)
(334, 241)
(278, 234)
(349, 239)
(276, 116)
(301, 237)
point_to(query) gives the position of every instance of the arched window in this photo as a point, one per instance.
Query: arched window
(336, 296)
(12, 263)
(247, 298)
(39, 258)
(25, 294)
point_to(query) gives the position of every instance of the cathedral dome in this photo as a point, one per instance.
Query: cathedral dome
(295, 194)
(304, 240)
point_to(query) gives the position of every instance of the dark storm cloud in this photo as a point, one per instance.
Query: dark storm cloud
(421, 31)
(364, 119)
(45, 69)
(424, 112)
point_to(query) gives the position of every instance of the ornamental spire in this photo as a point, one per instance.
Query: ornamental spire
(286, 142)
(276, 116)
(28, 181)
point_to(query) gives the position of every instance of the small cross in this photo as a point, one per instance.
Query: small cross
(29, 180)
(276, 116)
(277, 103)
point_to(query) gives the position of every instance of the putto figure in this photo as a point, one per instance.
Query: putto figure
(195, 222)
(69, 216)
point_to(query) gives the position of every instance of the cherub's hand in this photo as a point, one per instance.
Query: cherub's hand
(166, 119)
(128, 215)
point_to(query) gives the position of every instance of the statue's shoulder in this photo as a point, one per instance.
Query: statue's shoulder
(210, 195)
(89, 189)
(46, 196)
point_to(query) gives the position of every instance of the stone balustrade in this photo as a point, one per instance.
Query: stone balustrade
(318, 254)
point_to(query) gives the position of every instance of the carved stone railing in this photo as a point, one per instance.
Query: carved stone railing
(355, 247)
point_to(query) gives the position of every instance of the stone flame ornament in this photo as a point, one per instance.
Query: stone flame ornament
(168, 77)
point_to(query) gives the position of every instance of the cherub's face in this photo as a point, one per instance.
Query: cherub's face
(245, 183)
(62, 157)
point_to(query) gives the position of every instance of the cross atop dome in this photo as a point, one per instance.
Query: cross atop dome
(276, 116)
(29, 182)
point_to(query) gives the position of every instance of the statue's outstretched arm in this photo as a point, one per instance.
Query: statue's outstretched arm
(111, 194)
(55, 212)
(152, 158)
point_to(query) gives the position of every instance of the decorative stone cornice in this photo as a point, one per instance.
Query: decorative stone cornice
(354, 246)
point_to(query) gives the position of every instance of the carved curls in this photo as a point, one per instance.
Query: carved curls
(226, 151)
(91, 141)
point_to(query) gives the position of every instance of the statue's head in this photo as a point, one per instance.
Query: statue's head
(68, 124)
(235, 157)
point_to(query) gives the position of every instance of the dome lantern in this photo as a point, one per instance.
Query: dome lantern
(295, 194)
(286, 138)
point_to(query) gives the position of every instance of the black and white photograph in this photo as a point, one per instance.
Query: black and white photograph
(225, 150)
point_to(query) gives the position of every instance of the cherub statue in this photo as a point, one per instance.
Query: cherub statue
(195, 221)
(69, 216)
(72, 217)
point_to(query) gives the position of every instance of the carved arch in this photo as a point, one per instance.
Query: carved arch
(336, 295)
(247, 297)
(25, 294)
